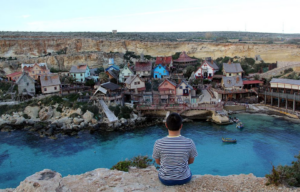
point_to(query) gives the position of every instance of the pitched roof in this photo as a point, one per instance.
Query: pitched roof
(233, 81)
(212, 64)
(285, 81)
(113, 73)
(78, 68)
(161, 66)
(50, 80)
(128, 69)
(171, 82)
(24, 74)
(186, 83)
(110, 86)
(101, 89)
(131, 78)
(232, 67)
(14, 74)
(143, 66)
(163, 60)
(183, 57)
(115, 67)
(26, 66)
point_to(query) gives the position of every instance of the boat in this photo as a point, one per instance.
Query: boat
(228, 140)
(236, 120)
(240, 125)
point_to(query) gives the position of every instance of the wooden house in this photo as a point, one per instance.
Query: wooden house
(167, 91)
(135, 83)
(26, 85)
(232, 69)
(50, 83)
(80, 72)
(14, 76)
(125, 73)
(160, 71)
(207, 69)
(184, 93)
(35, 70)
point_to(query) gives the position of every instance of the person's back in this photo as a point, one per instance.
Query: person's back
(174, 153)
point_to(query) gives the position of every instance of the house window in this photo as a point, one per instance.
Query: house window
(45, 89)
(80, 74)
(55, 88)
(229, 74)
(27, 84)
(159, 67)
(31, 89)
(81, 79)
(138, 82)
(40, 71)
(180, 87)
(164, 71)
(32, 72)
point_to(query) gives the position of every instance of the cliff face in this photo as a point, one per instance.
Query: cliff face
(139, 180)
(95, 51)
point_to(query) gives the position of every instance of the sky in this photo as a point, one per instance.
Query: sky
(274, 16)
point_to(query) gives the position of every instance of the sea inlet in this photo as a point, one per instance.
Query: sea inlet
(265, 141)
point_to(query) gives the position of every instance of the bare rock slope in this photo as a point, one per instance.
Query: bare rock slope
(138, 180)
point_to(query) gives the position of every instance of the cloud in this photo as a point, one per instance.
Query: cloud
(25, 16)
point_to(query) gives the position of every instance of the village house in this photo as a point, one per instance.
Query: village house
(80, 72)
(232, 69)
(207, 69)
(26, 85)
(290, 86)
(185, 93)
(135, 83)
(113, 74)
(184, 60)
(50, 83)
(35, 70)
(143, 68)
(167, 91)
(14, 76)
(110, 92)
(164, 61)
(160, 72)
(125, 73)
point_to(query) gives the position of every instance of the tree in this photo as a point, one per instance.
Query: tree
(103, 77)
(90, 82)
(256, 77)
(99, 70)
(188, 71)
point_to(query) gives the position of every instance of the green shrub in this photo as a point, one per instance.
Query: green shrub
(285, 174)
(59, 109)
(122, 166)
(138, 161)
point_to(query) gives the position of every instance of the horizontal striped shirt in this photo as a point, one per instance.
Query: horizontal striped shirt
(174, 153)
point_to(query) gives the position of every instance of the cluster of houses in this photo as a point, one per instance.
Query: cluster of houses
(132, 80)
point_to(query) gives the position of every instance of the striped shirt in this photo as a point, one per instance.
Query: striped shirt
(174, 153)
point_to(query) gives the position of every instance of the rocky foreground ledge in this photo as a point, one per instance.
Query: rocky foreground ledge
(138, 180)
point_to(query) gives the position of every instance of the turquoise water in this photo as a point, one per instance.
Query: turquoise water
(265, 140)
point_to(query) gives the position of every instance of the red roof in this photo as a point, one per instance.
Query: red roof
(14, 74)
(163, 60)
(143, 66)
(252, 82)
(184, 58)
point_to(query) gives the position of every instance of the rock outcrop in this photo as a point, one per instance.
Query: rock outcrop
(139, 180)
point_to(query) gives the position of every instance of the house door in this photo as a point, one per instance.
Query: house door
(205, 74)
(185, 92)
(155, 76)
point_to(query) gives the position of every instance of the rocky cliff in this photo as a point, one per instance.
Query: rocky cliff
(96, 51)
(138, 180)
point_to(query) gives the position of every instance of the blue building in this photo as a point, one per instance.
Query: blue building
(112, 65)
(160, 71)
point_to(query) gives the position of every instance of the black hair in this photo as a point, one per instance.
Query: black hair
(174, 122)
